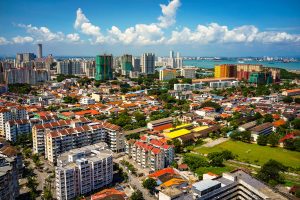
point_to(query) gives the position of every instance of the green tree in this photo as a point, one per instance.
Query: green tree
(268, 118)
(273, 139)
(216, 159)
(297, 100)
(195, 161)
(149, 184)
(246, 136)
(47, 194)
(287, 99)
(270, 172)
(296, 123)
(137, 195)
(262, 140)
(187, 80)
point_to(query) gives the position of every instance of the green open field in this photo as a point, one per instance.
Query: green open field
(255, 154)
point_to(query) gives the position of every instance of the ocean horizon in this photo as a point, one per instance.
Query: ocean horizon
(212, 63)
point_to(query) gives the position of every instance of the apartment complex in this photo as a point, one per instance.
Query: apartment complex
(39, 131)
(26, 75)
(14, 128)
(225, 71)
(81, 171)
(167, 74)
(60, 141)
(188, 72)
(10, 113)
(160, 122)
(69, 67)
(9, 184)
(150, 153)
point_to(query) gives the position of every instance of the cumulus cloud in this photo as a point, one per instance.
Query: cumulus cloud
(44, 34)
(168, 13)
(214, 33)
(21, 40)
(154, 33)
(3, 41)
(83, 24)
(73, 37)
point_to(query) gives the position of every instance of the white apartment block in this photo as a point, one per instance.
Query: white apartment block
(60, 141)
(187, 87)
(223, 84)
(188, 73)
(89, 68)
(14, 128)
(84, 170)
(11, 113)
(87, 101)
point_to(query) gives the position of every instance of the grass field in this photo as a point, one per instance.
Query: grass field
(255, 154)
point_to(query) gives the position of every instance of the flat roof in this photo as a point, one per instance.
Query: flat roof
(205, 184)
(177, 133)
(200, 128)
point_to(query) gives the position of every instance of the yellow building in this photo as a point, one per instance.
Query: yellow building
(167, 74)
(225, 71)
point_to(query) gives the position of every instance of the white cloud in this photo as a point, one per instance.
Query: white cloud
(3, 41)
(214, 33)
(168, 13)
(83, 24)
(21, 40)
(73, 37)
(42, 34)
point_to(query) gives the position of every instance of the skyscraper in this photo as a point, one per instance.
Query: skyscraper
(148, 63)
(126, 64)
(104, 67)
(40, 51)
(136, 64)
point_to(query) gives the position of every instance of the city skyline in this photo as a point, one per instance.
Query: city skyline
(194, 28)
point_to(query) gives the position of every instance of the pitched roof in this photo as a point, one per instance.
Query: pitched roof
(158, 173)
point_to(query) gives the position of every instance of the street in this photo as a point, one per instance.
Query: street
(135, 182)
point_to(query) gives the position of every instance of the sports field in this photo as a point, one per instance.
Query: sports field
(255, 154)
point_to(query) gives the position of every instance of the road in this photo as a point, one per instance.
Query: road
(136, 182)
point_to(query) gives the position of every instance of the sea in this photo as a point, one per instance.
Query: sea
(212, 63)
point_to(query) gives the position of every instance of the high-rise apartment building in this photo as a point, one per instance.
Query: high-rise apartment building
(244, 70)
(40, 51)
(148, 63)
(225, 71)
(26, 75)
(84, 170)
(104, 65)
(27, 57)
(136, 64)
(126, 64)
(89, 68)
(69, 67)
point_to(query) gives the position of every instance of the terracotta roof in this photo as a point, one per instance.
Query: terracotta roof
(163, 127)
(9, 151)
(158, 173)
(109, 194)
(279, 123)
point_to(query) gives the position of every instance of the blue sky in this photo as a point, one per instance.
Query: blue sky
(193, 27)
